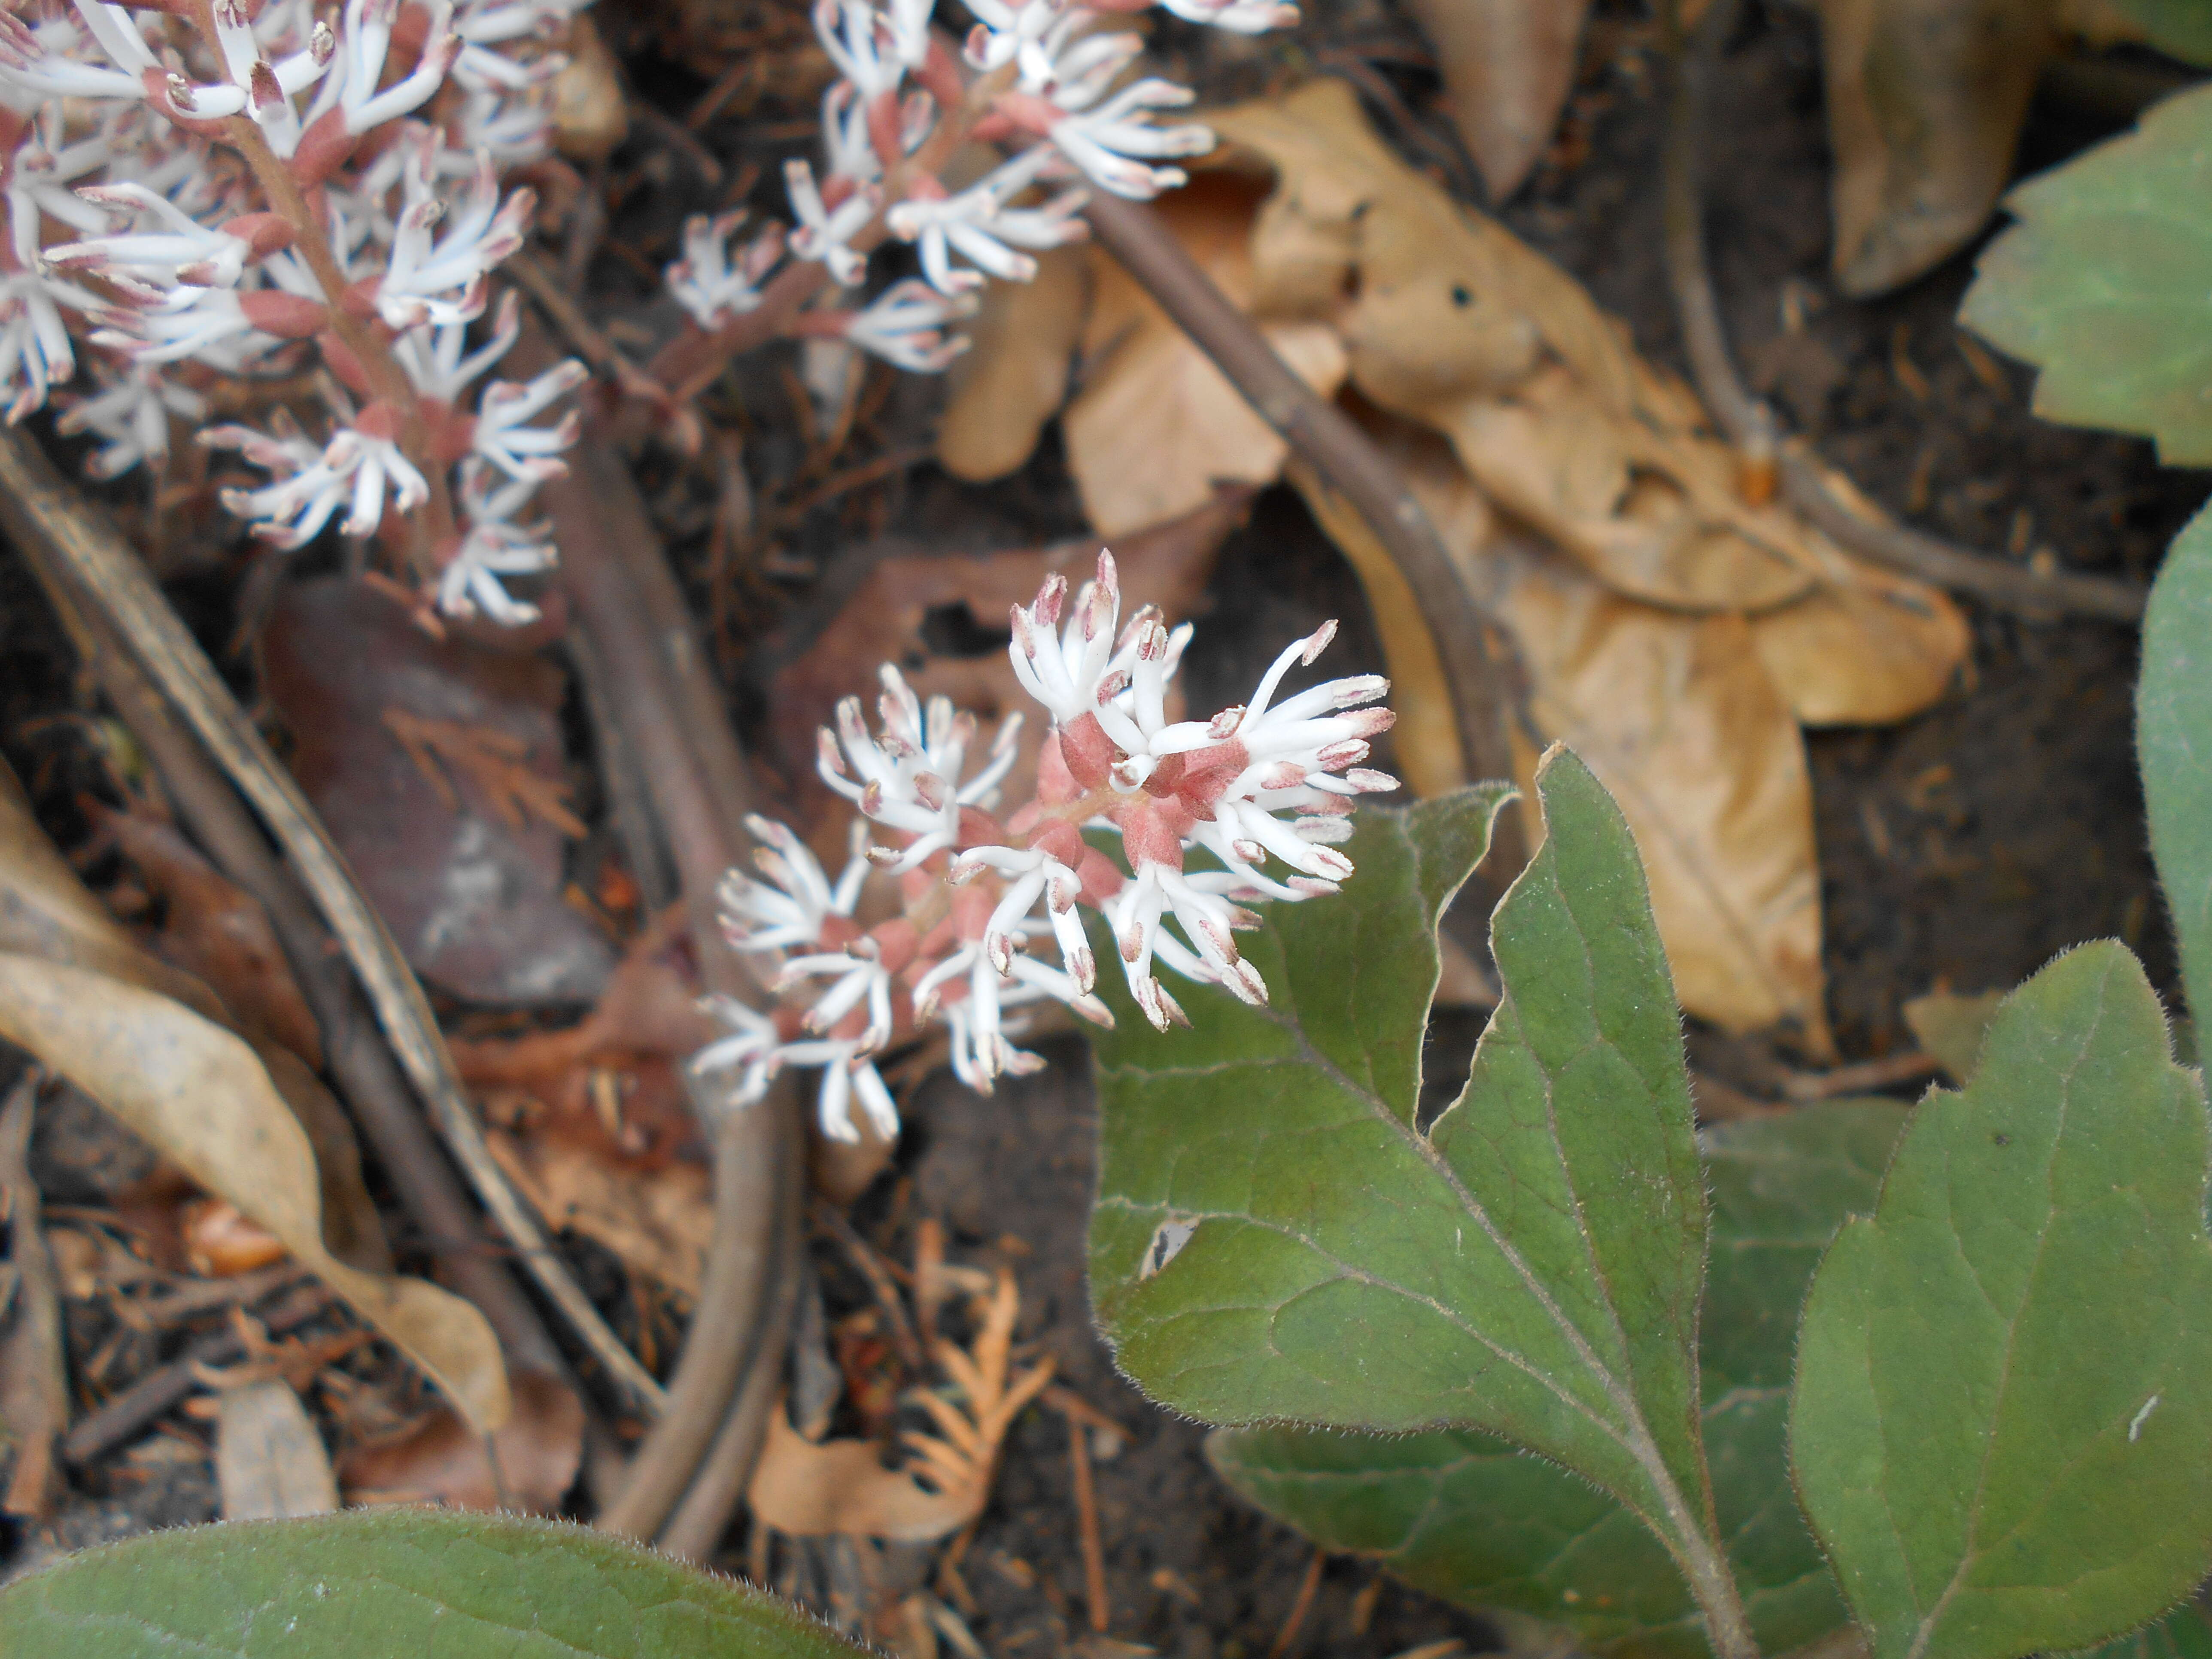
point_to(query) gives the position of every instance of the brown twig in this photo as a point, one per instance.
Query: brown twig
(1345, 459)
(669, 715)
(1086, 1521)
(1805, 481)
(42, 513)
(34, 1382)
(99, 1433)
(1308, 1586)
(1864, 1078)
(832, 1220)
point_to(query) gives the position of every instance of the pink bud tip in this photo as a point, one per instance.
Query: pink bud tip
(1317, 641)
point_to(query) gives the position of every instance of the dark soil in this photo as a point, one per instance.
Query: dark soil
(1965, 848)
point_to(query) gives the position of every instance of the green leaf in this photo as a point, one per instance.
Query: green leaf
(395, 1584)
(2002, 1423)
(1462, 1515)
(1529, 1267)
(2173, 741)
(2105, 284)
(2179, 28)
(2182, 1634)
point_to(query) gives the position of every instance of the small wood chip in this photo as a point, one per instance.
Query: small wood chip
(269, 1463)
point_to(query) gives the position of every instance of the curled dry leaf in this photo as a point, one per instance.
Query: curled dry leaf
(269, 1463)
(1452, 321)
(532, 1462)
(472, 896)
(942, 619)
(1153, 427)
(1926, 100)
(201, 1096)
(842, 1487)
(1508, 66)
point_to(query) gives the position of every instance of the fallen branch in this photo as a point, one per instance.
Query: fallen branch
(1806, 483)
(1348, 461)
(669, 720)
(48, 518)
(33, 1377)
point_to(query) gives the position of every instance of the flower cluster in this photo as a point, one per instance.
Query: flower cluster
(354, 223)
(1262, 792)
(244, 187)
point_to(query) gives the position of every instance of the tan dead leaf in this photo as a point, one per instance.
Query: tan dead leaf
(1925, 99)
(440, 1460)
(1451, 320)
(1952, 1027)
(47, 912)
(1013, 377)
(200, 1097)
(1869, 652)
(942, 620)
(1677, 716)
(1507, 65)
(1155, 426)
(269, 1463)
(591, 116)
(222, 1243)
(842, 1485)
(351, 1226)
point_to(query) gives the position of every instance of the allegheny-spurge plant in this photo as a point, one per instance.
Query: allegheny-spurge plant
(1931, 1383)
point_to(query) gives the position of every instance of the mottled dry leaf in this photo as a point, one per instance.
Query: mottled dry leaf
(942, 620)
(656, 1215)
(1451, 320)
(440, 1460)
(474, 901)
(200, 1097)
(1925, 101)
(269, 1463)
(1507, 65)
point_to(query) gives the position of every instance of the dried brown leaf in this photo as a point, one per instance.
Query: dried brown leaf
(1155, 426)
(591, 116)
(533, 1461)
(473, 900)
(201, 1096)
(1879, 648)
(1508, 66)
(1925, 99)
(269, 1463)
(1013, 377)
